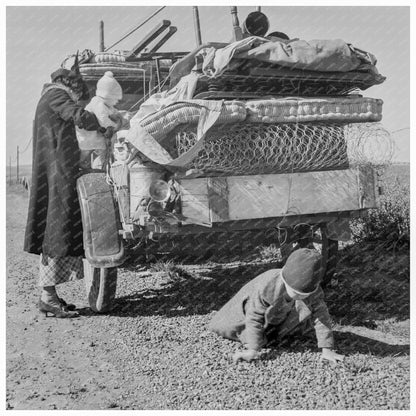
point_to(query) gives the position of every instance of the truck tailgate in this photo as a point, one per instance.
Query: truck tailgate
(219, 199)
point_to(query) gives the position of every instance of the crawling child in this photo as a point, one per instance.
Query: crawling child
(275, 304)
(108, 94)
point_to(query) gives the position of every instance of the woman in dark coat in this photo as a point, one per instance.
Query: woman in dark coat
(54, 227)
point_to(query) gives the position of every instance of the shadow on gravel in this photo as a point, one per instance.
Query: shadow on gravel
(371, 284)
(350, 343)
(218, 247)
(346, 343)
(189, 294)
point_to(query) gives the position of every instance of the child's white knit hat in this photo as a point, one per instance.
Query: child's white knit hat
(108, 87)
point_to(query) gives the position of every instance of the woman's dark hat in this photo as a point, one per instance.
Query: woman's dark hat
(61, 72)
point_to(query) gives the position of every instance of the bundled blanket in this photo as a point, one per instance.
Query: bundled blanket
(332, 55)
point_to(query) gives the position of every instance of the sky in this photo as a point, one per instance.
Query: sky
(38, 38)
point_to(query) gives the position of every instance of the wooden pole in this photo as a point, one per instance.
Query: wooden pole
(197, 26)
(101, 48)
(238, 33)
(156, 59)
(149, 38)
(137, 27)
(172, 30)
(10, 170)
(17, 165)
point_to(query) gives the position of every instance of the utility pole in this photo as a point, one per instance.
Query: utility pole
(10, 170)
(17, 165)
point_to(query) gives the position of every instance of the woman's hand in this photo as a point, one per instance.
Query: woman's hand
(109, 133)
(117, 119)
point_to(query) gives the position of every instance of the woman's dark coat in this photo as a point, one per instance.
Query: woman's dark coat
(54, 225)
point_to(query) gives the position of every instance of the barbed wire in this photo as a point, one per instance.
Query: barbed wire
(403, 128)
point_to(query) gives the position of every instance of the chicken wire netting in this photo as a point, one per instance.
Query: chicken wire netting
(252, 148)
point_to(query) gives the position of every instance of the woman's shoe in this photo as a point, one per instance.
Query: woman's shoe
(57, 311)
(67, 306)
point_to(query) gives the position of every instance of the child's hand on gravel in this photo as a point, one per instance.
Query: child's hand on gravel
(246, 355)
(331, 355)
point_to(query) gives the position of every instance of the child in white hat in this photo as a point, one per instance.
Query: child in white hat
(274, 304)
(107, 95)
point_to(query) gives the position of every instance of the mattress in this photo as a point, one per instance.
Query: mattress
(164, 121)
(270, 111)
(338, 109)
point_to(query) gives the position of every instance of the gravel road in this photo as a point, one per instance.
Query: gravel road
(154, 351)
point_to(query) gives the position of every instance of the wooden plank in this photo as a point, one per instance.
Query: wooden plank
(293, 194)
(123, 199)
(315, 192)
(256, 224)
(194, 197)
(172, 30)
(367, 182)
(146, 56)
(258, 196)
(278, 195)
(120, 175)
(218, 198)
(152, 35)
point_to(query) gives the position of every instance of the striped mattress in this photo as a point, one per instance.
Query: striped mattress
(335, 109)
(274, 110)
(164, 121)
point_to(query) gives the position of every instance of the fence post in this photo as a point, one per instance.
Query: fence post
(17, 165)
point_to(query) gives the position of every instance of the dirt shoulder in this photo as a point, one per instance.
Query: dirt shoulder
(51, 363)
(154, 351)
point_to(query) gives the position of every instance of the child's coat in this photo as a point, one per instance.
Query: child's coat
(262, 305)
(93, 140)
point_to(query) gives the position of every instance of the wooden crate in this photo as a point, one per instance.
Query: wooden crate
(220, 199)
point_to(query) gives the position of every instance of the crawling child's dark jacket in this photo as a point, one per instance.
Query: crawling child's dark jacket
(263, 304)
